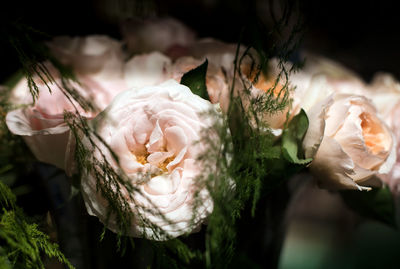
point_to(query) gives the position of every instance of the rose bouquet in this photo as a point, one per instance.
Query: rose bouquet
(173, 137)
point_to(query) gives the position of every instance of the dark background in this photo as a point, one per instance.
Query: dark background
(362, 35)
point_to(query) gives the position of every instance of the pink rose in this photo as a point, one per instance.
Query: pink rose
(350, 144)
(98, 66)
(155, 132)
(42, 124)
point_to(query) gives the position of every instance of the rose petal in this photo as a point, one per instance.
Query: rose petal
(315, 132)
(332, 167)
(48, 145)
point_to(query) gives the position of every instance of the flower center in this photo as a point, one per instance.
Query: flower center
(142, 159)
(373, 133)
(163, 165)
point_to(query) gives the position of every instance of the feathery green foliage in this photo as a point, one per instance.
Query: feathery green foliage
(249, 162)
(23, 243)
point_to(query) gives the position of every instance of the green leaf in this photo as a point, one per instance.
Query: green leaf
(292, 139)
(377, 204)
(195, 79)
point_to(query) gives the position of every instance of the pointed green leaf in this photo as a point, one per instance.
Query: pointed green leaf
(292, 139)
(377, 204)
(195, 79)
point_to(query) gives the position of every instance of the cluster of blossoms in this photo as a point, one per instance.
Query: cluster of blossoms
(154, 124)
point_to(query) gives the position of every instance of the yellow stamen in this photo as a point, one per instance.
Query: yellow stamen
(163, 165)
(142, 159)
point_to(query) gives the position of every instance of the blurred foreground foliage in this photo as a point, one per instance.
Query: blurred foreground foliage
(23, 244)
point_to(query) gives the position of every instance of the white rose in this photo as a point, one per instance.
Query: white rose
(153, 131)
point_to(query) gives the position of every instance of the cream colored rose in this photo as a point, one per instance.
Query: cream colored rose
(156, 131)
(350, 144)
(321, 77)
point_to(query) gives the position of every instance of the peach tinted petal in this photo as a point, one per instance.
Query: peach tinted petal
(352, 140)
(332, 167)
